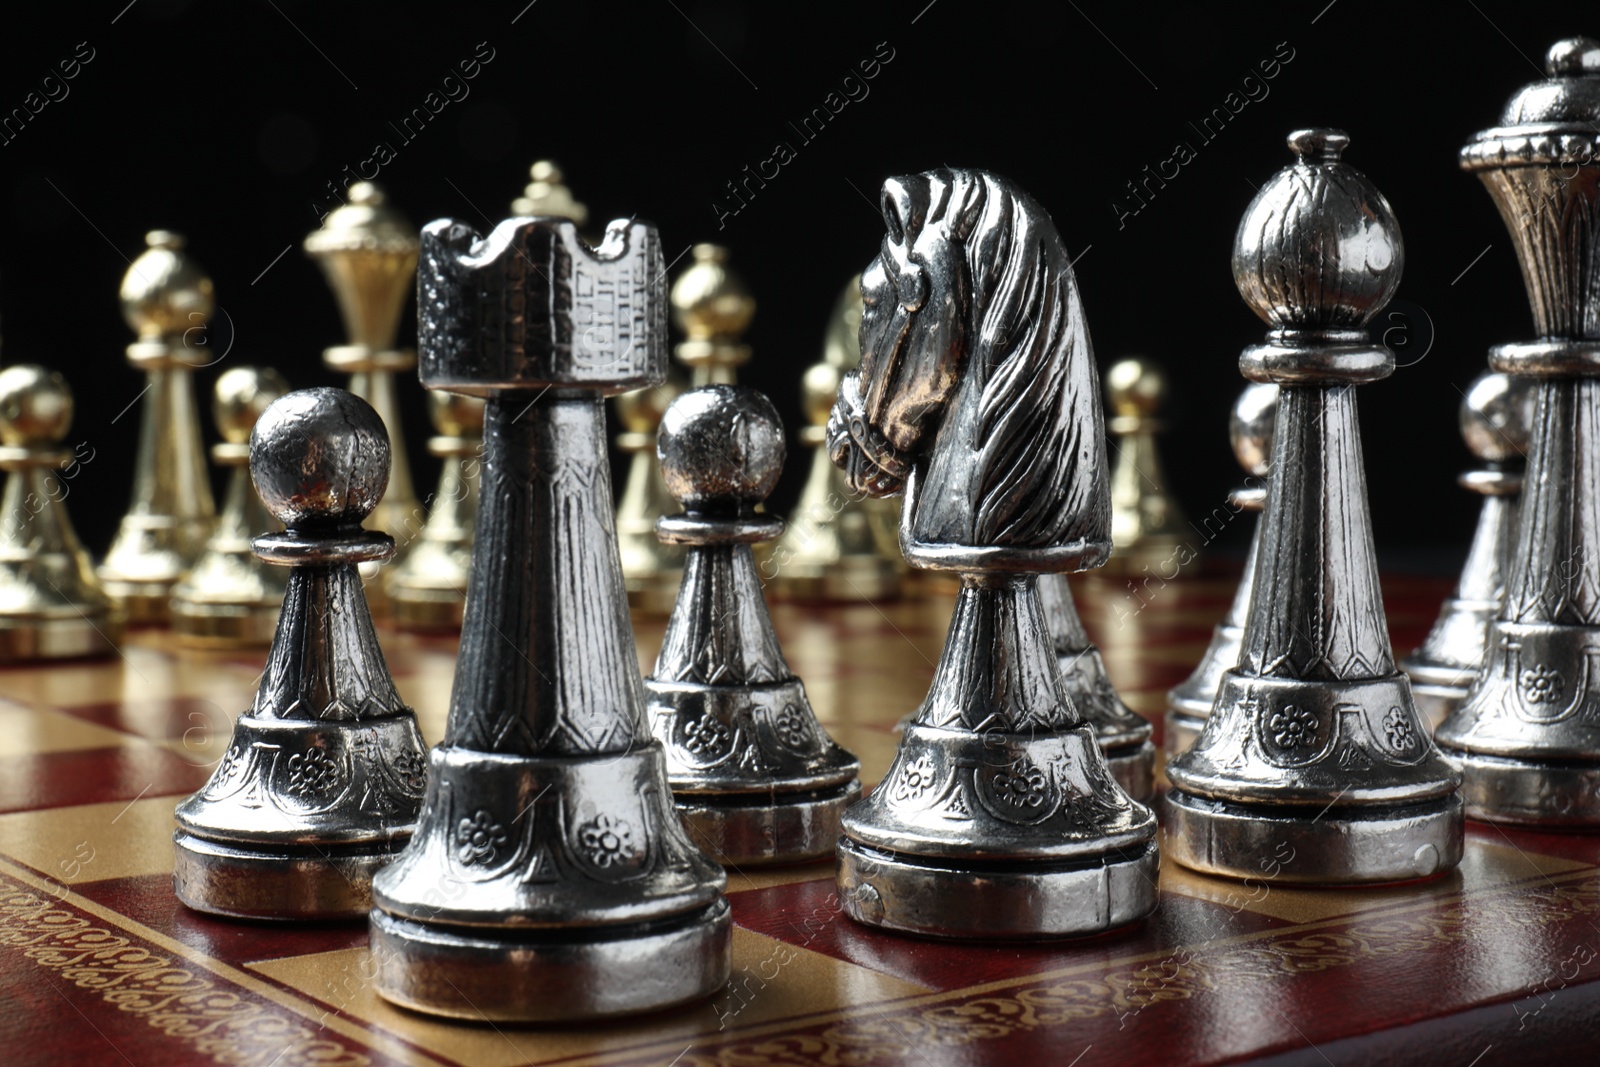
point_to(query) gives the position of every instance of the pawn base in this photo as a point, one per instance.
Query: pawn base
(1556, 795)
(141, 603)
(494, 974)
(1182, 731)
(996, 900)
(1134, 768)
(1308, 846)
(23, 639)
(742, 830)
(214, 625)
(314, 883)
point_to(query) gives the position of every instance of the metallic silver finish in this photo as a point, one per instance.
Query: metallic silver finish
(999, 817)
(1250, 427)
(1313, 762)
(756, 778)
(1527, 737)
(428, 589)
(322, 780)
(550, 877)
(168, 300)
(1496, 413)
(52, 605)
(1122, 733)
(230, 599)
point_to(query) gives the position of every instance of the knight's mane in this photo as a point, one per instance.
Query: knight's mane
(1041, 441)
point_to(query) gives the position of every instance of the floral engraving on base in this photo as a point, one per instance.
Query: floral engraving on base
(916, 778)
(607, 840)
(706, 736)
(311, 773)
(1397, 729)
(793, 728)
(1292, 727)
(479, 839)
(1542, 685)
(1023, 786)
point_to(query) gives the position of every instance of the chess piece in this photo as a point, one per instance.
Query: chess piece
(51, 604)
(1189, 702)
(1122, 733)
(1146, 523)
(838, 545)
(977, 397)
(230, 598)
(323, 777)
(548, 195)
(713, 307)
(428, 589)
(550, 877)
(757, 779)
(651, 568)
(1313, 766)
(167, 299)
(1527, 737)
(1495, 415)
(368, 253)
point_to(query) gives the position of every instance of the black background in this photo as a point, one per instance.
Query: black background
(225, 122)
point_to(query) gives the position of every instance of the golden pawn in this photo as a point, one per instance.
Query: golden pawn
(230, 599)
(428, 589)
(51, 604)
(837, 546)
(1146, 523)
(167, 299)
(547, 194)
(652, 569)
(368, 252)
(713, 307)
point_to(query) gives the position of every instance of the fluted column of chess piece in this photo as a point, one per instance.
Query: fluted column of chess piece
(230, 598)
(550, 877)
(756, 777)
(368, 253)
(1146, 522)
(323, 777)
(1122, 733)
(838, 545)
(167, 299)
(1314, 766)
(52, 605)
(1495, 415)
(977, 396)
(1250, 428)
(1527, 737)
(428, 589)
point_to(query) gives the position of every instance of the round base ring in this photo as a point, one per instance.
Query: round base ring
(769, 828)
(500, 974)
(328, 883)
(1304, 846)
(1553, 795)
(996, 900)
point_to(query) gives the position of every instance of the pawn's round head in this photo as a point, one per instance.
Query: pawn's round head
(721, 448)
(1251, 426)
(320, 459)
(243, 393)
(456, 414)
(1135, 387)
(1496, 416)
(164, 291)
(35, 406)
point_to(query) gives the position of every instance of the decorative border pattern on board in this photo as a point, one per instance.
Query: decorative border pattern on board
(217, 1021)
(1127, 991)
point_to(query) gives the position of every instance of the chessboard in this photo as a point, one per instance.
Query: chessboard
(99, 963)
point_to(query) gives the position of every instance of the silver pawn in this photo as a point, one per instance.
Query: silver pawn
(1189, 702)
(1528, 735)
(1495, 414)
(977, 397)
(757, 779)
(322, 781)
(1313, 766)
(1122, 733)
